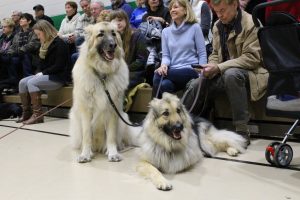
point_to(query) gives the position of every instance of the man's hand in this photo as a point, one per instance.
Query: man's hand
(210, 70)
(39, 74)
(71, 39)
(162, 70)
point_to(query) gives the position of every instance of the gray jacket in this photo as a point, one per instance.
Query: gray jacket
(31, 46)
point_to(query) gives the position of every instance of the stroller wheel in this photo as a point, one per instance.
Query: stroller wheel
(270, 151)
(283, 155)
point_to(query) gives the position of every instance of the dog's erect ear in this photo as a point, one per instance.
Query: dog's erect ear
(154, 105)
(88, 31)
(88, 34)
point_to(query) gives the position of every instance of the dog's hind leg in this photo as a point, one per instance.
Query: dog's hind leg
(223, 140)
(86, 153)
(111, 139)
(147, 170)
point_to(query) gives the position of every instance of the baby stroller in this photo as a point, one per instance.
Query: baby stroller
(280, 46)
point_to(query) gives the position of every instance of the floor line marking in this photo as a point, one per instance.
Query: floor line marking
(28, 129)
(254, 163)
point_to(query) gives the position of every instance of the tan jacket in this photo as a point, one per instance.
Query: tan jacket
(244, 52)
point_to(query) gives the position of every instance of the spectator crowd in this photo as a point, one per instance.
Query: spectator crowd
(162, 40)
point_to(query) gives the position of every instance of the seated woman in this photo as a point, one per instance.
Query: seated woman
(134, 45)
(157, 11)
(68, 25)
(24, 46)
(158, 15)
(182, 45)
(8, 73)
(51, 73)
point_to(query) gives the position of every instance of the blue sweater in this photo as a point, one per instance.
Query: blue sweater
(137, 16)
(183, 46)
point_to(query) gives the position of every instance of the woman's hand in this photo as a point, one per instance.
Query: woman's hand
(160, 19)
(162, 70)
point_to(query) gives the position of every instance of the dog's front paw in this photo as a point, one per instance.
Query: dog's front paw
(114, 157)
(164, 185)
(232, 151)
(85, 157)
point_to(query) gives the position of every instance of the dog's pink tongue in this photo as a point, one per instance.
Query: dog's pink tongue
(109, 55)
(176, 135)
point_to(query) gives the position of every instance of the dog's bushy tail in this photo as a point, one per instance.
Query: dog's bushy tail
(213, 140)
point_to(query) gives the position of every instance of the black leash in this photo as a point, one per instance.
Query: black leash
(159, 85)
(102, 79)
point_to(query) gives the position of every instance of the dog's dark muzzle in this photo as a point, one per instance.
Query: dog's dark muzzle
(106, 48)
(174, 131)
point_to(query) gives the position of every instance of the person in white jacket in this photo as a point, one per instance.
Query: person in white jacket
(68, 25)
(204, 16)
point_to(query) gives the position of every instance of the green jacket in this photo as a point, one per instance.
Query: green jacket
(244, 52)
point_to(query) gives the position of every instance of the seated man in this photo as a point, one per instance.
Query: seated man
(40, 14)
(235, 65)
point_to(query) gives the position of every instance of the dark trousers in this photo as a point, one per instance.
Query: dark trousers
(235, 83)
(26, 62)
(175, 80)
(11, 68)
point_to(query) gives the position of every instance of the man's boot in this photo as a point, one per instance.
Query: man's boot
(26, 106)
(37, 109)
(243, 130)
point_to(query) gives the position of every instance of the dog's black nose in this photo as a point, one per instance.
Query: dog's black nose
(112, 45)
(178, 127)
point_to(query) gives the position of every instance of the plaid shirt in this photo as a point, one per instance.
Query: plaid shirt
(83, 22)
(23, 37)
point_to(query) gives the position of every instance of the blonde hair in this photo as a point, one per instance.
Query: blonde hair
(47, 28)
(8, 22)
(190, 16)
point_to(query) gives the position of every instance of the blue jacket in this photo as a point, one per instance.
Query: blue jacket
(137, 16)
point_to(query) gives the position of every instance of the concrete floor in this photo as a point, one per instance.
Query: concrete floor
(38, 164)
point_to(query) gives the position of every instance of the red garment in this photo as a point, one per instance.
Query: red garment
(293, 8)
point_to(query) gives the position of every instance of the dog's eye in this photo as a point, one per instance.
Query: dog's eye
(113, 33)
(101, 34)
(178, 111)
(166, 113)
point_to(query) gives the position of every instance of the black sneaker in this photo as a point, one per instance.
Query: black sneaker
(246, 135)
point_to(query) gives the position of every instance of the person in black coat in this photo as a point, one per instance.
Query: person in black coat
(50, 75)
(40, 14)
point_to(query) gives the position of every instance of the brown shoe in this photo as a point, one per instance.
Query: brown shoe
(26, 113)
(37, 109)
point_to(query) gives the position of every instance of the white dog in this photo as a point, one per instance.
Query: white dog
(94, 124)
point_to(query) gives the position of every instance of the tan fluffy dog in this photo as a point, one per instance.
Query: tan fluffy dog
(94, 125)
(171, 141)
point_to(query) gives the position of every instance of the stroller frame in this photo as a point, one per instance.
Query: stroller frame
(278, 154)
